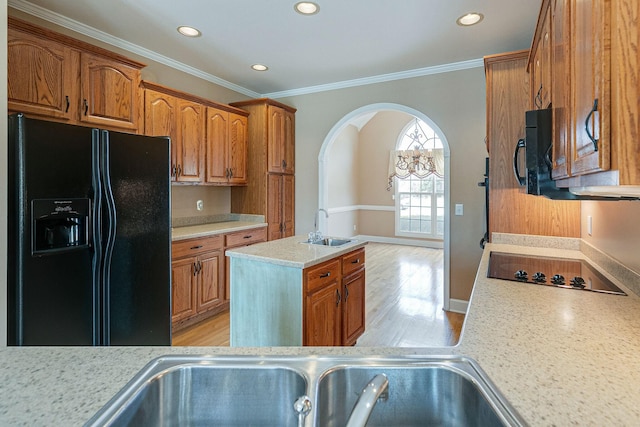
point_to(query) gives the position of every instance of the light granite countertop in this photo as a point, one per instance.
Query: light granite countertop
(293, 251)
(202, 230)
(559, 356)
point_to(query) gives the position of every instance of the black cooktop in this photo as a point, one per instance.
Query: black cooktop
(558, 272)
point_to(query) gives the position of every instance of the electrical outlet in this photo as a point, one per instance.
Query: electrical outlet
(199, 205)
(354, 227)
(589, 225)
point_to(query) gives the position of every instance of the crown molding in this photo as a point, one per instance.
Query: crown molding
(382, 78)
(88, 31)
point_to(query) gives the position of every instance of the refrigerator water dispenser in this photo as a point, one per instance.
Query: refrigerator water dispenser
(59, 225)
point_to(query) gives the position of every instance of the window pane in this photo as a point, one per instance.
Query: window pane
(426, 227)
(439, 185)
(404, 225)
(403, 185)
(415, 226)
(440, 201)
(440, 228)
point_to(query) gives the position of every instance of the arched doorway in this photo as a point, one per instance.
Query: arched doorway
(323, 193)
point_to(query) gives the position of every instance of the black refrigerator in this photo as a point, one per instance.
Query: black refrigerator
(89, 236)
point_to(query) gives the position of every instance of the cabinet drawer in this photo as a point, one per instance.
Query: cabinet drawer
(246, 237)
(320, 275)
(352, 261)
(190, 247)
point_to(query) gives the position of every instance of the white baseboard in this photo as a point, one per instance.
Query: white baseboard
(458, 306)
(400, 241)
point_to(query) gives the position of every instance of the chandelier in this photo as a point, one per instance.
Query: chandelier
(422, 159)
(418, 161)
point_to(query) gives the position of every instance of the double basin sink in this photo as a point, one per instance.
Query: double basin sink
(268, 391)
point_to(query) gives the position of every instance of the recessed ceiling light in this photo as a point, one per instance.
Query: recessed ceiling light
(189, 31)
(259, 67)
(470, 19)
(306, 8)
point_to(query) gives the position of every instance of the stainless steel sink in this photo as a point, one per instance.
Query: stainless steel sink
(330, 241)
(435, 394)
(234, 391)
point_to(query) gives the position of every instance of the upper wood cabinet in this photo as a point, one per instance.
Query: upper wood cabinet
(281, 154)
(55, 77)
(208, 140)
(226, 147)
(595, 93)
(540, 66)
(270, 166)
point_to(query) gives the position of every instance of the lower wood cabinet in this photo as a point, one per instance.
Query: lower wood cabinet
(197, 279)
(334, 306)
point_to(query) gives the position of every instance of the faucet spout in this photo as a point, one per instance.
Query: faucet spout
(315, 219)
(377, 388)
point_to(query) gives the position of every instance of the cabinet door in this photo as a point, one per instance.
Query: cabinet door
(274, 206)
(210, 286)
(322, 323)
(217, 146)
(190, 142)
(238, 148)
(110, 93)
(289, 142)
(275, 139)
(160, 120)
(560, 91)
(41, 77)
(183, 295)
(288, 205)
(353, 307)
(590, 147)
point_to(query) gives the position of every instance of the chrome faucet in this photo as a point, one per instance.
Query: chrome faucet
(316, 235)
(377, 388)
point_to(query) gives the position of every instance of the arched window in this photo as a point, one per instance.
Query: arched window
(420, 200)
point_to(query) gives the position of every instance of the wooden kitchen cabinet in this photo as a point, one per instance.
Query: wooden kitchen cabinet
(226, 147)
(595, 94)
(280, 206)
(58, 78)
(334, 308)
(270, 166)
(353, 287)
(207, 139)
(540, 65)
(197, 280)
(322, 305)
(511, 210)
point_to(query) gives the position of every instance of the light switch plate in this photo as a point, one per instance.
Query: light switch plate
(459, 209)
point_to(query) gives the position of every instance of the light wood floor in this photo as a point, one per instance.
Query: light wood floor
(404, 301)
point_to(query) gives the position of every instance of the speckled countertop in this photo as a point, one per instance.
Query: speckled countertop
(293, 252)
(189, 228)
(559, 356)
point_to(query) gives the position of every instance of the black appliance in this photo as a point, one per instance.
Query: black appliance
(538, 155)
(89, 236)
(559, 272)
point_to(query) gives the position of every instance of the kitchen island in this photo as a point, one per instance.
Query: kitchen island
(280, 298)
(559, 356)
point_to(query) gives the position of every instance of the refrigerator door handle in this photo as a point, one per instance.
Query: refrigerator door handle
(96, 220)
(109, 228)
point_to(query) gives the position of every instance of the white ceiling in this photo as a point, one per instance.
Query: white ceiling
(349, 42)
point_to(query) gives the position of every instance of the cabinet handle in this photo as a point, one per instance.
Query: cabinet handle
(284, 164)
(339, 297)
(586, 125)
(522, 181)
(248, 237)
(230, 173)
(179, 171)
(195, 269)
(346, 293)
(327, 274)
(195, 247)
(538, 99)
(86, 106)
(174, 170)
(355, 261)
(66, 110)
